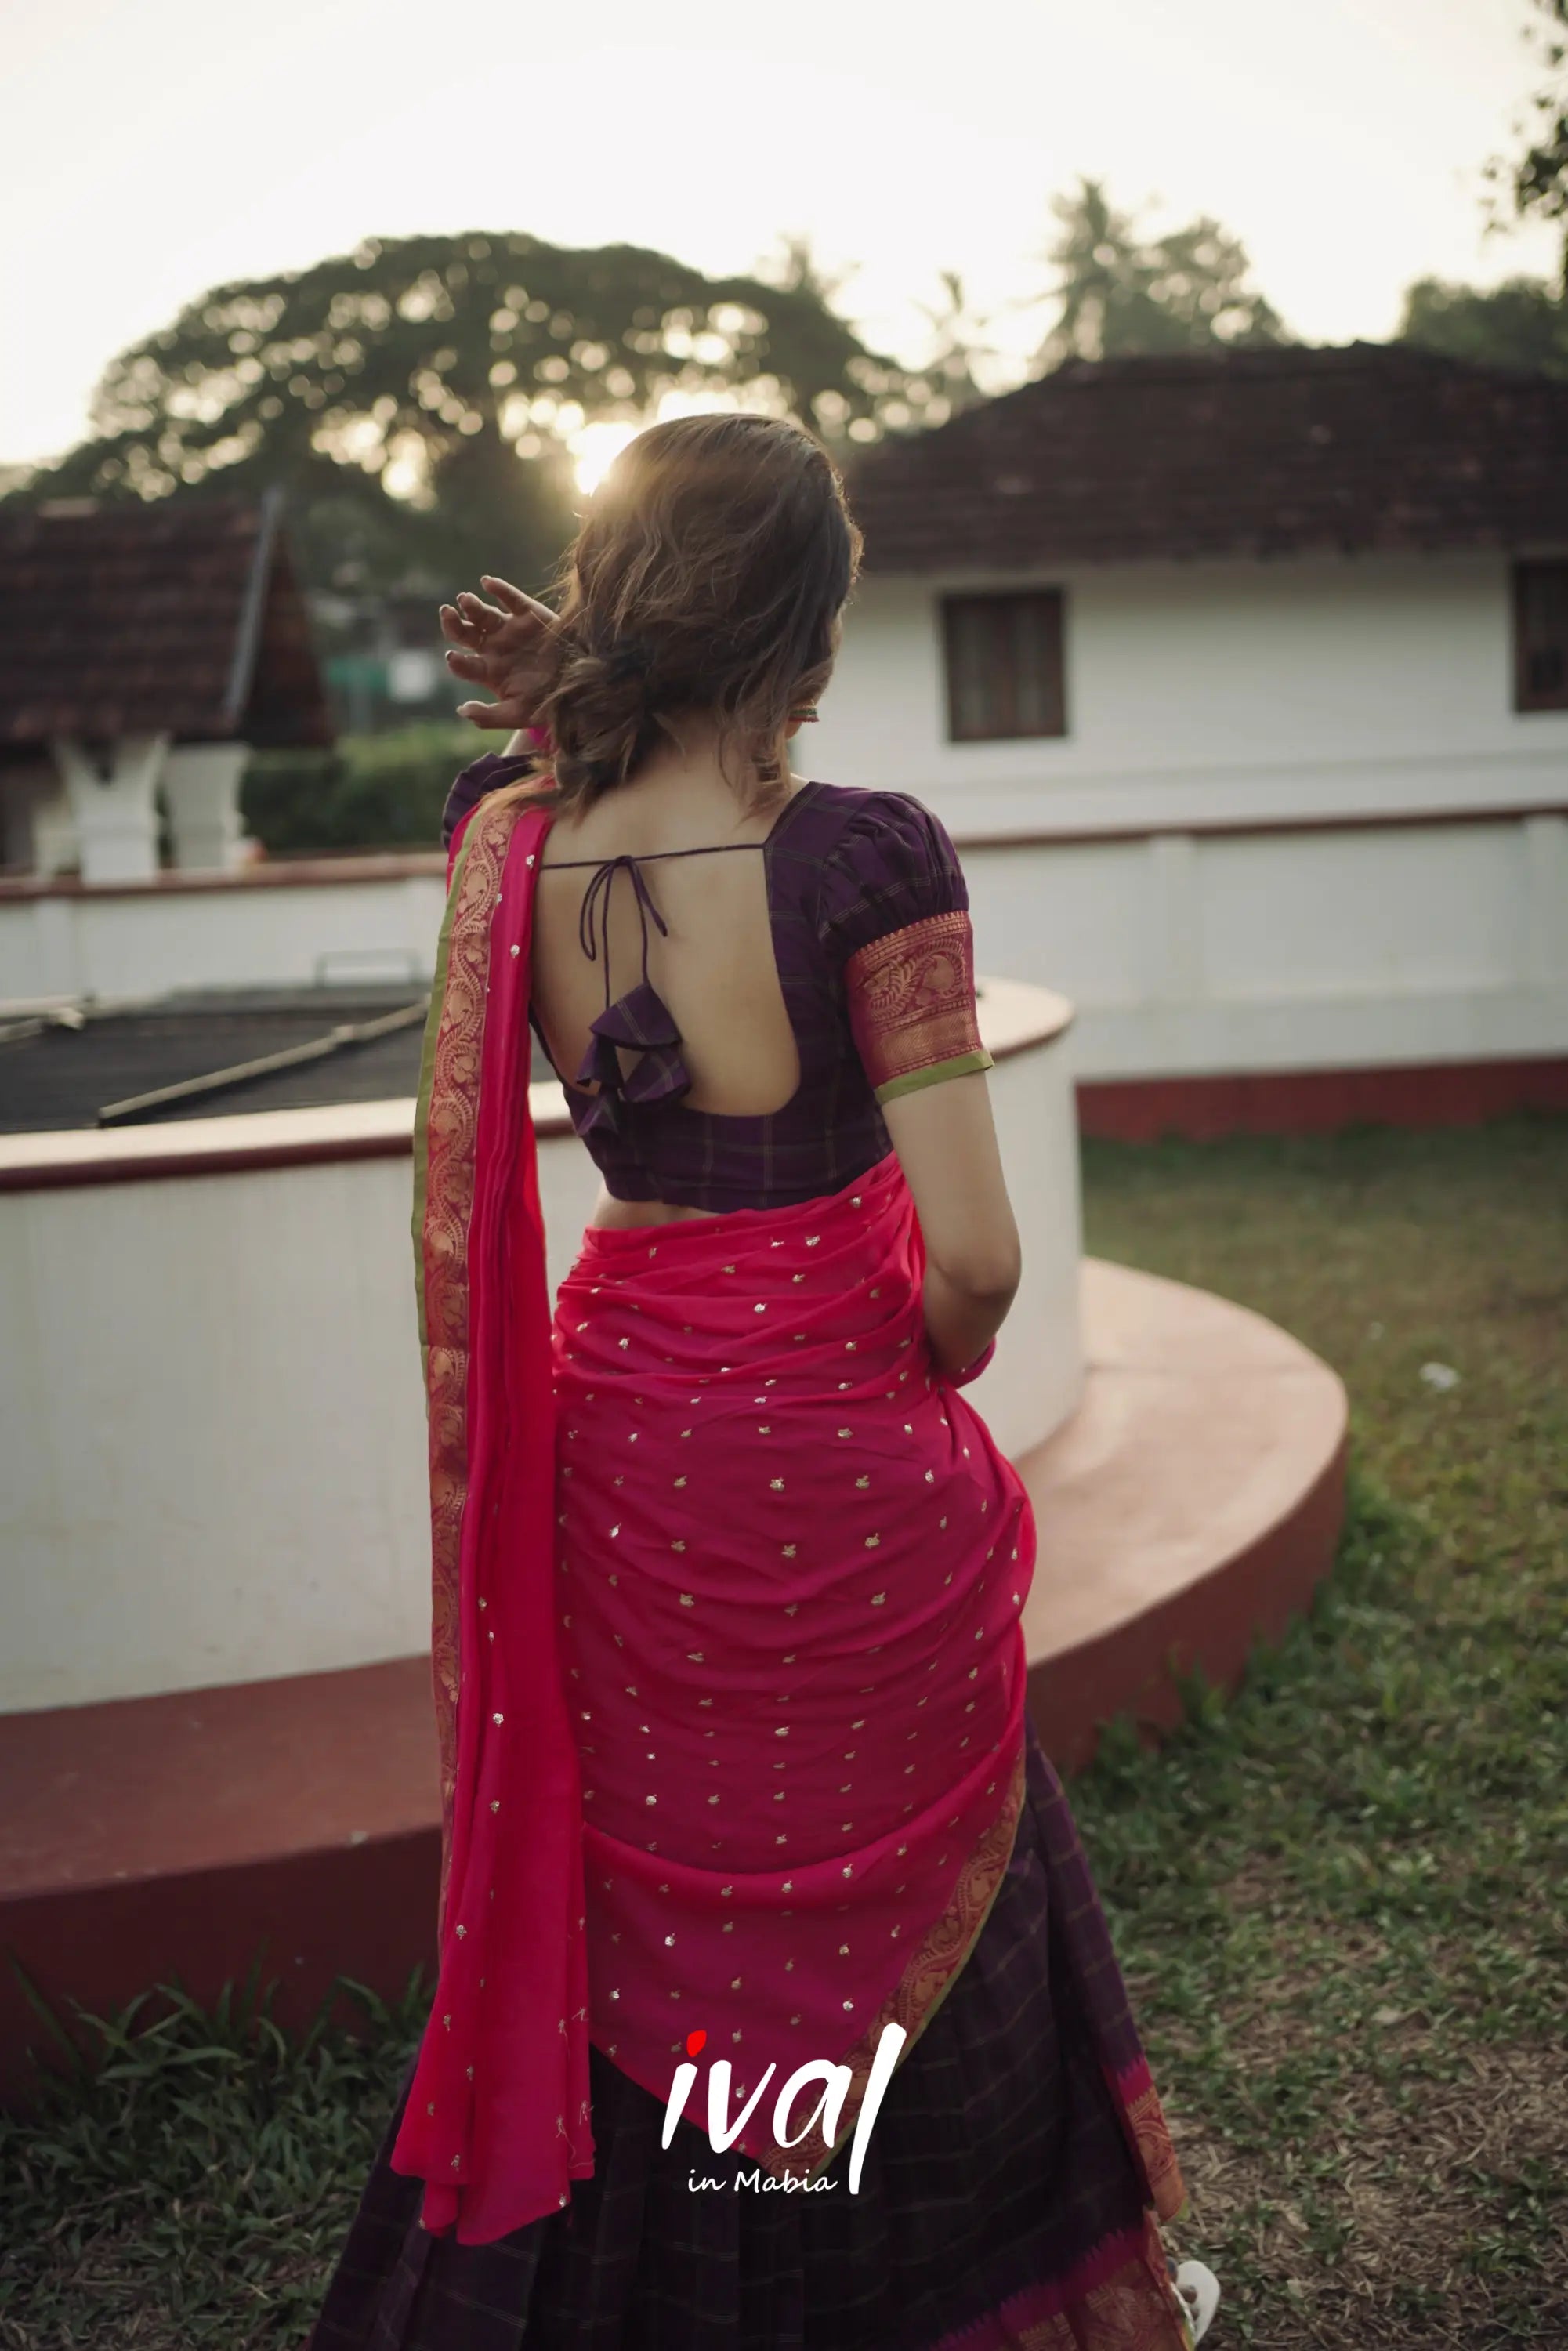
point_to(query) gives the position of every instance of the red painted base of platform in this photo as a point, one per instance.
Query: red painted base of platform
(154, 1838)
(1187, 1510)
(1318, 1101)
(1191, 1504)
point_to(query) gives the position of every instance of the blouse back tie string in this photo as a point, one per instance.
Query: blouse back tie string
(596, 903)
(639, 1020)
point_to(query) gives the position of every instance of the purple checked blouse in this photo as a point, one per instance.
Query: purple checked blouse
(848, 870)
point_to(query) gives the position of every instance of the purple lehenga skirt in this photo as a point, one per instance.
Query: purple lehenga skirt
(1007, 2198)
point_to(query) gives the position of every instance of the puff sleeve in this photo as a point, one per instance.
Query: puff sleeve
(893, 919)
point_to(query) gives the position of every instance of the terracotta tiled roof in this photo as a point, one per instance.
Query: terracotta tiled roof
(130, 618)
(1244, 453)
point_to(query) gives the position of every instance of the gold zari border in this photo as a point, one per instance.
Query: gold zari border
(1156, 2152)
(444, 1154)
(931, 1970)
(911, 998)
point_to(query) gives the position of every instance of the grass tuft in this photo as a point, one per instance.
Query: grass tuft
(191, 2183)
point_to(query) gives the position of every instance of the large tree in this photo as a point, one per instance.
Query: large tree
(1121, 292)
(1535, 181)
(1524, 322)
(415, 396)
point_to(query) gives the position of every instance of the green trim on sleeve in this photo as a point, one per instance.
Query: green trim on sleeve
(957, 1065)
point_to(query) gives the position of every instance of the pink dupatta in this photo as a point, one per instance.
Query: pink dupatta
(497, 2121)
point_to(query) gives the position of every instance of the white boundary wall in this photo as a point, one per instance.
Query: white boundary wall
(1193, 954)
(1186, 952)
(379, 921)
(212, 1426)
(1295, 824)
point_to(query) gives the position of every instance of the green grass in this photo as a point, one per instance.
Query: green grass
(192, 2185)
(1337, 1897)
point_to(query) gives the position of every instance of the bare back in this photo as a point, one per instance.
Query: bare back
(713, 963)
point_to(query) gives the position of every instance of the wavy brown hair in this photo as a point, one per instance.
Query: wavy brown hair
(707, 579)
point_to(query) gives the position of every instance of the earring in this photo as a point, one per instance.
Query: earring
(806, 711)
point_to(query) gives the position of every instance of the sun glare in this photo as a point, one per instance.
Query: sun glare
(595, 449)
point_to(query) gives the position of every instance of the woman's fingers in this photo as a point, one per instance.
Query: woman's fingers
(508, 713)
(484, 641)
(522, 607)
(455, 627)
(457, 630)
(473, 667)
(479, 615)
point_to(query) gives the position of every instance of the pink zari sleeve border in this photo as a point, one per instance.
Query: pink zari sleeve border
(911, 1011)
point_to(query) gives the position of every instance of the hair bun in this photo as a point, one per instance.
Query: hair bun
(631, 658)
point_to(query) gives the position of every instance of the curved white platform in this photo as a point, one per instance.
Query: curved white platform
(211, 1426)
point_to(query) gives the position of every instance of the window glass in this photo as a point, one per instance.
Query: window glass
(1540, 636)
(1004, 665)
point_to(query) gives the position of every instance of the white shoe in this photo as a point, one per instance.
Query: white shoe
(1199, 2291)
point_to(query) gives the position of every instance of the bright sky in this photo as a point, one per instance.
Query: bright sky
(152, 148)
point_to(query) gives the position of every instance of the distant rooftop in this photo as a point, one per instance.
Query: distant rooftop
(131, 618)
(1251, 452)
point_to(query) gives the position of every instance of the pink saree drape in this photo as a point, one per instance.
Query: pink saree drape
(728, 1658)
(791, 1567)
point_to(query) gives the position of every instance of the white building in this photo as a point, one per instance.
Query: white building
(144, 650)
(1242, 684)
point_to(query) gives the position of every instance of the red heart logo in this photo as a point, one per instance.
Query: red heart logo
(695, 2043)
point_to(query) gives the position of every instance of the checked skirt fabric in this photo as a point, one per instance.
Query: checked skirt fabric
(999, 2161)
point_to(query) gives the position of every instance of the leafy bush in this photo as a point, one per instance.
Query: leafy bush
(373, 792)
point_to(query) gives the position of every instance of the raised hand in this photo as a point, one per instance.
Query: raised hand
(497, 646)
